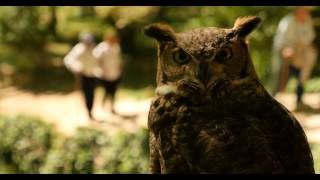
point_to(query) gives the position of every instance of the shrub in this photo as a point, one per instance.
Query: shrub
(24, 143)
(28, 145)
(92, 151)
(127, 153)
(75, 154)
(315, 148)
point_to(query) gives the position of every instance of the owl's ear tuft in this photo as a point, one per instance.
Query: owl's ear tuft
(159, 31)
(245, 25)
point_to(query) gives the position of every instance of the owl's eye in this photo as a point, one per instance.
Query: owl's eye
(225, 54)
(181, 57)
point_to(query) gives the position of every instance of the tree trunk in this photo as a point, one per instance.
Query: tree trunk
(53, 22)
(86, 11)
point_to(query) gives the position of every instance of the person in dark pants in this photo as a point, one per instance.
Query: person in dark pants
(83, 64)
(293, 71)
(294, 53)
(88, 85)
(108, 54)
(110, 88)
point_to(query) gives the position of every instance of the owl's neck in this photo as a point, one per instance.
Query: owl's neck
(241, 91)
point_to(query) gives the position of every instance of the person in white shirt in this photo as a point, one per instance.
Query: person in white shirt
(293, 50)
(83, 64)
(108, 54)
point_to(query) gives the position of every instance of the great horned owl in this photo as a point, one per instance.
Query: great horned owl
(211, 114)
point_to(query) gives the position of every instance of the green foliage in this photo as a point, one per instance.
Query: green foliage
(24, 143)
(75, 154)
(128, 153)
(20, 27)
(315, 148)
(91, 151)
(25, 33)
(27, 145)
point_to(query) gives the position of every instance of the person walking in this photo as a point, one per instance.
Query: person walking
(108, 54)
(82, 63)
(293, 51)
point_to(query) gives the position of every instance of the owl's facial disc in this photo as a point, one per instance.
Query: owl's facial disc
(197, 61)
(190, 74)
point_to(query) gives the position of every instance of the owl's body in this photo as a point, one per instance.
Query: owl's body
(212, 115)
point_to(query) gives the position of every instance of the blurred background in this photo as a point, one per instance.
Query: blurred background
(43, 126)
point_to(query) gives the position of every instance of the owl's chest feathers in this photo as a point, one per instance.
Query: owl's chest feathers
(172, 116)
(180, 129)
(181, 126)
(176, 120)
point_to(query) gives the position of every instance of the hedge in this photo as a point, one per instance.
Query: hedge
(28, 145)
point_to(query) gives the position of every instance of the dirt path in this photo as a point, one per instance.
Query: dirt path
(310, 121)
(67, 113)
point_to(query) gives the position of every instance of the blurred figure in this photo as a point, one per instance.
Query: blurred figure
(108, 54)
(293, 51)
(82, 63)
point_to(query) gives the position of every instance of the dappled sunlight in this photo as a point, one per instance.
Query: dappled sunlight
(310, 119)
(45, 124)
(67, 111)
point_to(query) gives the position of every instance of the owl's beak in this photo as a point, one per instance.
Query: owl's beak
(203, 73)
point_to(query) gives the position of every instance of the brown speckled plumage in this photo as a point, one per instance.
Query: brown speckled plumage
(211, 114)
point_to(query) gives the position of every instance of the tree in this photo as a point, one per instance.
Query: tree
(52, 25)
(21, 30)
(87, 11)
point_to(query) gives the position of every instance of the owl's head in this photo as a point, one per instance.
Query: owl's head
(196, 61)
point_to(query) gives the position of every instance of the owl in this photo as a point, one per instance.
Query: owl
(211, 114)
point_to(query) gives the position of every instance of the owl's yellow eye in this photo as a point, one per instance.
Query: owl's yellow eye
(181, 57)
(225, 54)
